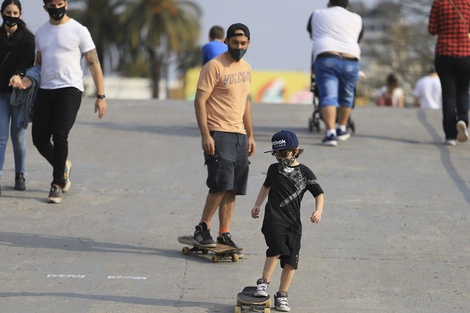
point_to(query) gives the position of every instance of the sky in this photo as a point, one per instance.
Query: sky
(279, 39)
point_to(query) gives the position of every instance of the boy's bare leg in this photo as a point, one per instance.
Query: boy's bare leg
(286, 277)
(213, 201)
(269, 266)
(226, 209)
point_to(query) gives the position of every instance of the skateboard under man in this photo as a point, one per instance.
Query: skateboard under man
(247, 300)
(219, 251)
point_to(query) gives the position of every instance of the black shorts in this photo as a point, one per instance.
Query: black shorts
(284, 241)
(227, 169)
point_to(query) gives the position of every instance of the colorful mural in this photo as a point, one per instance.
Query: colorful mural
(267, 86)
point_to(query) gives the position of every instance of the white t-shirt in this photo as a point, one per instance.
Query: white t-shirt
(61, 48)
(428, 91)
(336, 29)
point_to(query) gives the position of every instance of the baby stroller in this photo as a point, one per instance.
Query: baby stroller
(314, 121)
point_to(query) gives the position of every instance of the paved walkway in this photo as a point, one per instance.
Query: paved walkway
(394, 235)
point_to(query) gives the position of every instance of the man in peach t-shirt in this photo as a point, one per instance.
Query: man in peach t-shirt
(223, 115)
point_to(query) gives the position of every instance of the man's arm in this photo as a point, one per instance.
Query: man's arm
(91, 58)
(208, 144)
(38, 58)
(249, 128)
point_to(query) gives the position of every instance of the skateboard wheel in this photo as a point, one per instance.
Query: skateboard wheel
(185, 250)
(205, 251)
(267, 310)
(215, 259)
(234, 257)
(238, 310)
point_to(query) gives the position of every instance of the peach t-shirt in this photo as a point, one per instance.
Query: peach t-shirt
(229, 85)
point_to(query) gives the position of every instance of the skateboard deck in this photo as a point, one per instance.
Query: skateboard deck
(219, 251)
(247, 300)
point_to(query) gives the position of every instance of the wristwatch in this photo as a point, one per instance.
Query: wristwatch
(101, 96)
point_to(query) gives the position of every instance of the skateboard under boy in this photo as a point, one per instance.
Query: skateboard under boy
(219, 251)
(247, 300)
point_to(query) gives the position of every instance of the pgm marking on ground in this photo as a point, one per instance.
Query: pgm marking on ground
(109, 277)
(127, 277)
(65, 276)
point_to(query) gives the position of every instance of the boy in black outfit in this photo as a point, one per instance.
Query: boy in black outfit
(286, 182)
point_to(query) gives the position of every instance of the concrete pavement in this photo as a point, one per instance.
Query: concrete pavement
(393, 238)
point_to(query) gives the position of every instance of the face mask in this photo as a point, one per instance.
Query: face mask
(57, 13)
(10, 21)
(286, 162)
(237, 54)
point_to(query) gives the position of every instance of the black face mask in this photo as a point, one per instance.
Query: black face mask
(10, 21)
(57, 13)
(286, 162)
(237, 54)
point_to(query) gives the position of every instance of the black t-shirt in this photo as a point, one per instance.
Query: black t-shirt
(287, 190)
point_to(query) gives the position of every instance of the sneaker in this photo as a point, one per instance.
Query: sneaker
(450, 142)
(226, 239)
(342, 135)
(202, 236)
(462, 135)
(330, 141)
(68, 169)
(280, 301)
(55, 195)
(262, 289)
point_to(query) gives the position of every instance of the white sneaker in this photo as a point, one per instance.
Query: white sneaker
(262, 290)
(462, 135)
(280, 301)
(450, 142)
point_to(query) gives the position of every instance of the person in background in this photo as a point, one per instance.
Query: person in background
(391, 94)
(428, 92)
(449, 20)
(336, 33)
(61, 44)
(215, 46)
(16, 56)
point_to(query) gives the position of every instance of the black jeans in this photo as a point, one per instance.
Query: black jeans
(454, 74)
(55, 112)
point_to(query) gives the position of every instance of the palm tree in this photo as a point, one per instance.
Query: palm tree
(102, 20)
(160, 29)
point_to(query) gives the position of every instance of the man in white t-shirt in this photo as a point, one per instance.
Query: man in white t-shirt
(428, 92)
(61, 43)
(336, 33)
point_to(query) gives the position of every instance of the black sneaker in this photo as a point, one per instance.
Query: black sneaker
(202, 236)
(280, 301)
(20, 182)
(226, 239)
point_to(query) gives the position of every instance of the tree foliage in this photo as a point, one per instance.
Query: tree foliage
(146, 35)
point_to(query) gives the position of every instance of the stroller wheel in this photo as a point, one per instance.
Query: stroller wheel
(310, 124)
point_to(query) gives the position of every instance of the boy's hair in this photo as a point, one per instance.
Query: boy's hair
(216, 32)
(283, 153)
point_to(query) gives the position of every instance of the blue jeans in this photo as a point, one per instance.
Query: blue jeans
(336, 80)
(18, 134)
